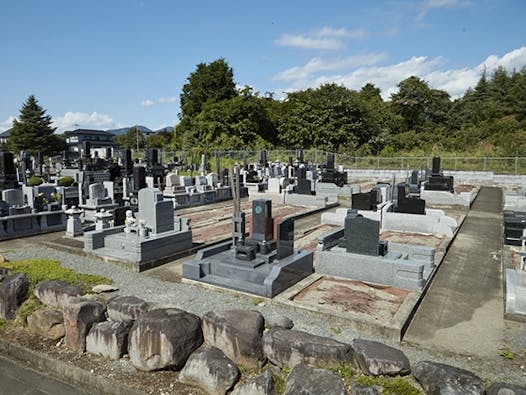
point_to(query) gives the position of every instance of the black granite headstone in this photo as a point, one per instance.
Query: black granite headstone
(119, 215)
(285, 246)
(139, 177)
(152, 156)
(303, 186)
(299, 155)
(301, 173)
(8, 178)
(262, 220)
(365, 200)
(414, 177)
(263, 158)
(406, 203)
(435, 170)
(330, 161)
(86, 149)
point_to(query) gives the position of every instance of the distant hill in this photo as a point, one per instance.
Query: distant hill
(120, 131)
(165, 129)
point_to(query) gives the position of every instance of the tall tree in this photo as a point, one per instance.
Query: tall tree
(33, 132)
(132, 139)
(209, 82)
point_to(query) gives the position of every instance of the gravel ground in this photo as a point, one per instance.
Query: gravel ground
(200, 300)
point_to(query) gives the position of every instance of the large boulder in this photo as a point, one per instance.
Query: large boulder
(126, 308)
(210, 369)
(238, 334)
(56, 293)
(377, 359)
(287, 348)
(109, 339)
(436, 378)
(278, 320)
(306, 380)
(13, 292)
(505, 389)
(164, 338)
(262, 384)
(48, 323)
(79, 316)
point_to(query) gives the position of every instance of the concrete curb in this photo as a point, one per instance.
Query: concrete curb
(66, 372)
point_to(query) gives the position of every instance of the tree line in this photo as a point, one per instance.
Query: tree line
(489, 119)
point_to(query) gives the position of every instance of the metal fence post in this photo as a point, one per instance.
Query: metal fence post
(516, 164)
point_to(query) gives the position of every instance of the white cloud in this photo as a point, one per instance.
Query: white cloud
(7, 124)
(386, 77)
(305, 42)
(75, 120)
(147, 103)
(318, 64)
(326, 39)
(428, 5)
(167, 100)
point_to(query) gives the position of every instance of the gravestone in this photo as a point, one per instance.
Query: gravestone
(98, 195)
(437, 181)
(263, 158)
(330, 161)
(262, 220)
(362, 235)
(408, 204)
(13, 197)
(8, 178)
(154, 211)
(139, 177)
(285, 242)
(119, 214)
(152, 156)
(303, 187)
(365, 200)
(299, 155)
(125, 159)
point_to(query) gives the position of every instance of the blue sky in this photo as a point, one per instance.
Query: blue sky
(108, 64)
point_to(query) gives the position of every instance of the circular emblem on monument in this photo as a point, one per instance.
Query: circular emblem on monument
(258, 209)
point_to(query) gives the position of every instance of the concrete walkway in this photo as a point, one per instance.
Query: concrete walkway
(463, 309)
(17, 379)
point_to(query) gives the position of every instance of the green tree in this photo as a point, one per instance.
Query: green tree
(212, 82)
(131, 139)
(157, 140)
(242, 122)
(329, 117)
(33, 132)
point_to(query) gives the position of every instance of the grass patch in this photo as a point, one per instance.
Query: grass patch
(507, 354)
(38, 270)
(336, 330)
(390, 385)
(246, 371)
(279, 383)
(346, 372)
(256, 301)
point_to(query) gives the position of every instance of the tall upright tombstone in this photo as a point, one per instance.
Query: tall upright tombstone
(263, 158)
(139, 177)
(285, 238)
(330, 161)
(262, 220)
(154, 211)
(8, 179)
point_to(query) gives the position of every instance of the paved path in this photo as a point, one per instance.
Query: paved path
(463, 309)
(16, 379)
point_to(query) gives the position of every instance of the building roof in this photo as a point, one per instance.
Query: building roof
(90, 132)
(6, 133)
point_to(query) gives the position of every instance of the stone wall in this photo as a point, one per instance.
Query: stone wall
(209, 351)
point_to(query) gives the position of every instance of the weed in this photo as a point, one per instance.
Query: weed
(391, 385)
(279, 383)
(38, 270)
(336, 330)
(256, 301)
(507, 354)
(346, 372)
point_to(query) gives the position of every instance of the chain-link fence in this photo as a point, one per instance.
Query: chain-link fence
(499, 165)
